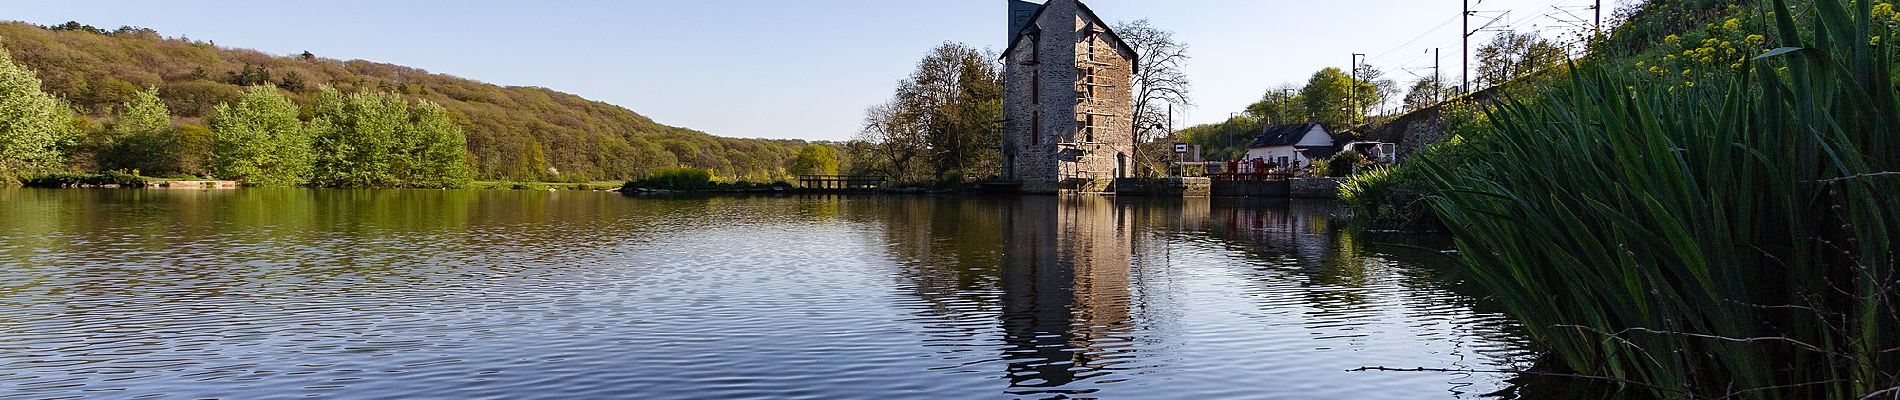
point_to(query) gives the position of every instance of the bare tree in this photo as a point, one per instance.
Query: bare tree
(894, 141)
(1159, 80)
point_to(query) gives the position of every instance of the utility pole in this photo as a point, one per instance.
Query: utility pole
(1438, 80)
(1352, 90)
(1286, 105)
(1466, 32)
(1599, 23)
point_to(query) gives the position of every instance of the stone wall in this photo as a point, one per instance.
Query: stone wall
(1315, 188)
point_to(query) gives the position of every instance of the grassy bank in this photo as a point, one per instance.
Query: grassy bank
(1726, 231)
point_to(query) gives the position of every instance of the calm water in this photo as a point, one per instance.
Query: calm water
(447, 294)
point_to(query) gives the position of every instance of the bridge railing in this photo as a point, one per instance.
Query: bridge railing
(843, 183)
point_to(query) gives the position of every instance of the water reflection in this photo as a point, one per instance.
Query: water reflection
(279, 293)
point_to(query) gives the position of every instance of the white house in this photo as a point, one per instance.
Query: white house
(1292, 145)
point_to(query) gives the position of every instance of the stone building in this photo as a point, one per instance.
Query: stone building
(1067, 99)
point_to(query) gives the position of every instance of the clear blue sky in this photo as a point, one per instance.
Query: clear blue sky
(788, 69)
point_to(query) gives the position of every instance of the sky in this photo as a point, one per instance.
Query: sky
(803, 69)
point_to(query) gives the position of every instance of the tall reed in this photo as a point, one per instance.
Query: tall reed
(1729, 239)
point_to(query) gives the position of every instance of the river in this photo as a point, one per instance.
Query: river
(260, 293)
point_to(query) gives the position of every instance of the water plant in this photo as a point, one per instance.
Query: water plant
(1719, 240)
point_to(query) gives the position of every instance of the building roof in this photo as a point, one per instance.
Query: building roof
(1282, 135)
(1134, 59)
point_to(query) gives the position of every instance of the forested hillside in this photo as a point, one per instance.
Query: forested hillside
(517, 133)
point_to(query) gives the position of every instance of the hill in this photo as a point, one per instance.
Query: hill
(517, 133)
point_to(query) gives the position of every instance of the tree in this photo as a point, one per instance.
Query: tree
(1279, 106)
(356, 138)
(1425, 93)
(1331, 95)
(1159, 80)
(194, 149)
(1511, 54)
(35, 127)
(945, 115)
(891, 141)
(259, 140)
(439, 156)
(140, 138)
(815, 159)
(380, 140)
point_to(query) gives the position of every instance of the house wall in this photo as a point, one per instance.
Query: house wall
(1273, 154)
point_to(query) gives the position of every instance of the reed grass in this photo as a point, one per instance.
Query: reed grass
(1732, 239)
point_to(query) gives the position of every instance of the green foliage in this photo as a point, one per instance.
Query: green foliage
(526, 133)
(34, 126)
(941, 122)
(380, 140)
(815, 159)
(140, 138)
(259, 140)
(1280, 106)
(1345, 163)
(74, 179)
(1732, 238)
(1510, 55)
(1338, 99)
(193, 145)
(679, 178)
(1223, 141)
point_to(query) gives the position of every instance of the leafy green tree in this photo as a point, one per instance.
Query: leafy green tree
(1426, 92)
(438, 155)
(1511, 54)
(259, 140)
(140, 138)
(35, 127)
(356, 139)
(1280, 106)
(815, 159)
(942, 121)
(1338, 99)
(377, 139)
(193, 149)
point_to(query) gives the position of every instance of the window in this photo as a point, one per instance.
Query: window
(1035, 127)
(1035, 86)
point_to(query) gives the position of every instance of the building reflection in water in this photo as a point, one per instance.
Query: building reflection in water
(1065, 289)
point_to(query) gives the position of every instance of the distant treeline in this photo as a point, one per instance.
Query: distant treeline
(512, 133)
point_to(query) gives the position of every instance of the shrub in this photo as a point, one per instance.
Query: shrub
(74, 179)
(676, 178)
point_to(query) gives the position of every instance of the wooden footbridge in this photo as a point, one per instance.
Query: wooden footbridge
(839, 183)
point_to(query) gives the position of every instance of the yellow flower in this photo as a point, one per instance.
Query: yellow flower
(1732, 24)
(1874, 42)
(1671, 57)
(1687, 73)
(1688, 83)
(1755, 40)
(1671, 39)
(1657, 70)
(1640, 63)
(1883, 10)
(1735, 66)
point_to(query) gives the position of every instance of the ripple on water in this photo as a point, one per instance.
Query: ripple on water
(446, 294)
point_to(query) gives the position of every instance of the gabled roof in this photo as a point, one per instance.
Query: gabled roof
(1134, 59)
(1283, 135)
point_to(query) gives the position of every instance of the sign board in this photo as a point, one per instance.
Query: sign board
(1181, 148)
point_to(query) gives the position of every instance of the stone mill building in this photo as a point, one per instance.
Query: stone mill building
(1067, 99)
